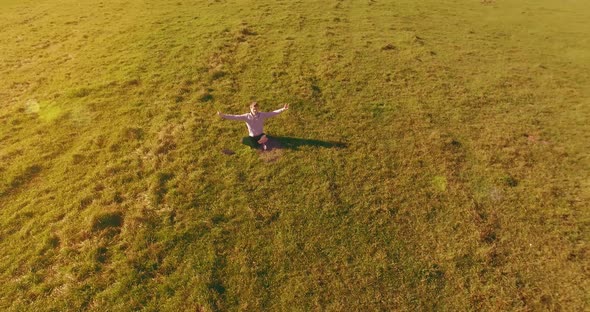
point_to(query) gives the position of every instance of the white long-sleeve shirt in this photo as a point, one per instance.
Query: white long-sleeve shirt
(255, 123)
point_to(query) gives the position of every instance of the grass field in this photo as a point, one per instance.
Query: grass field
(435, 155)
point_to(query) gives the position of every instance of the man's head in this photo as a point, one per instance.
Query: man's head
(254, 108)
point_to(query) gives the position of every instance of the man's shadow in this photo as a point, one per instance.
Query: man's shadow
(279, 142)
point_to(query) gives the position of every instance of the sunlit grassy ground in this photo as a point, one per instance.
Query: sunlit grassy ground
(435, 155)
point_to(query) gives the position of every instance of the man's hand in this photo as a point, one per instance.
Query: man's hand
(286, 106)
(219, 114)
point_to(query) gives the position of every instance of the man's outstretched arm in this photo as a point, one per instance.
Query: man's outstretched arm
(276, 112)
(242, 117)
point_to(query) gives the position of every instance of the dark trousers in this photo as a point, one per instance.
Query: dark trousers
(252, 141)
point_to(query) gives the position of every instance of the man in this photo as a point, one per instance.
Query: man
(255, 123)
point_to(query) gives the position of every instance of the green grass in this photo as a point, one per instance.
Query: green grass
(435, 155)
